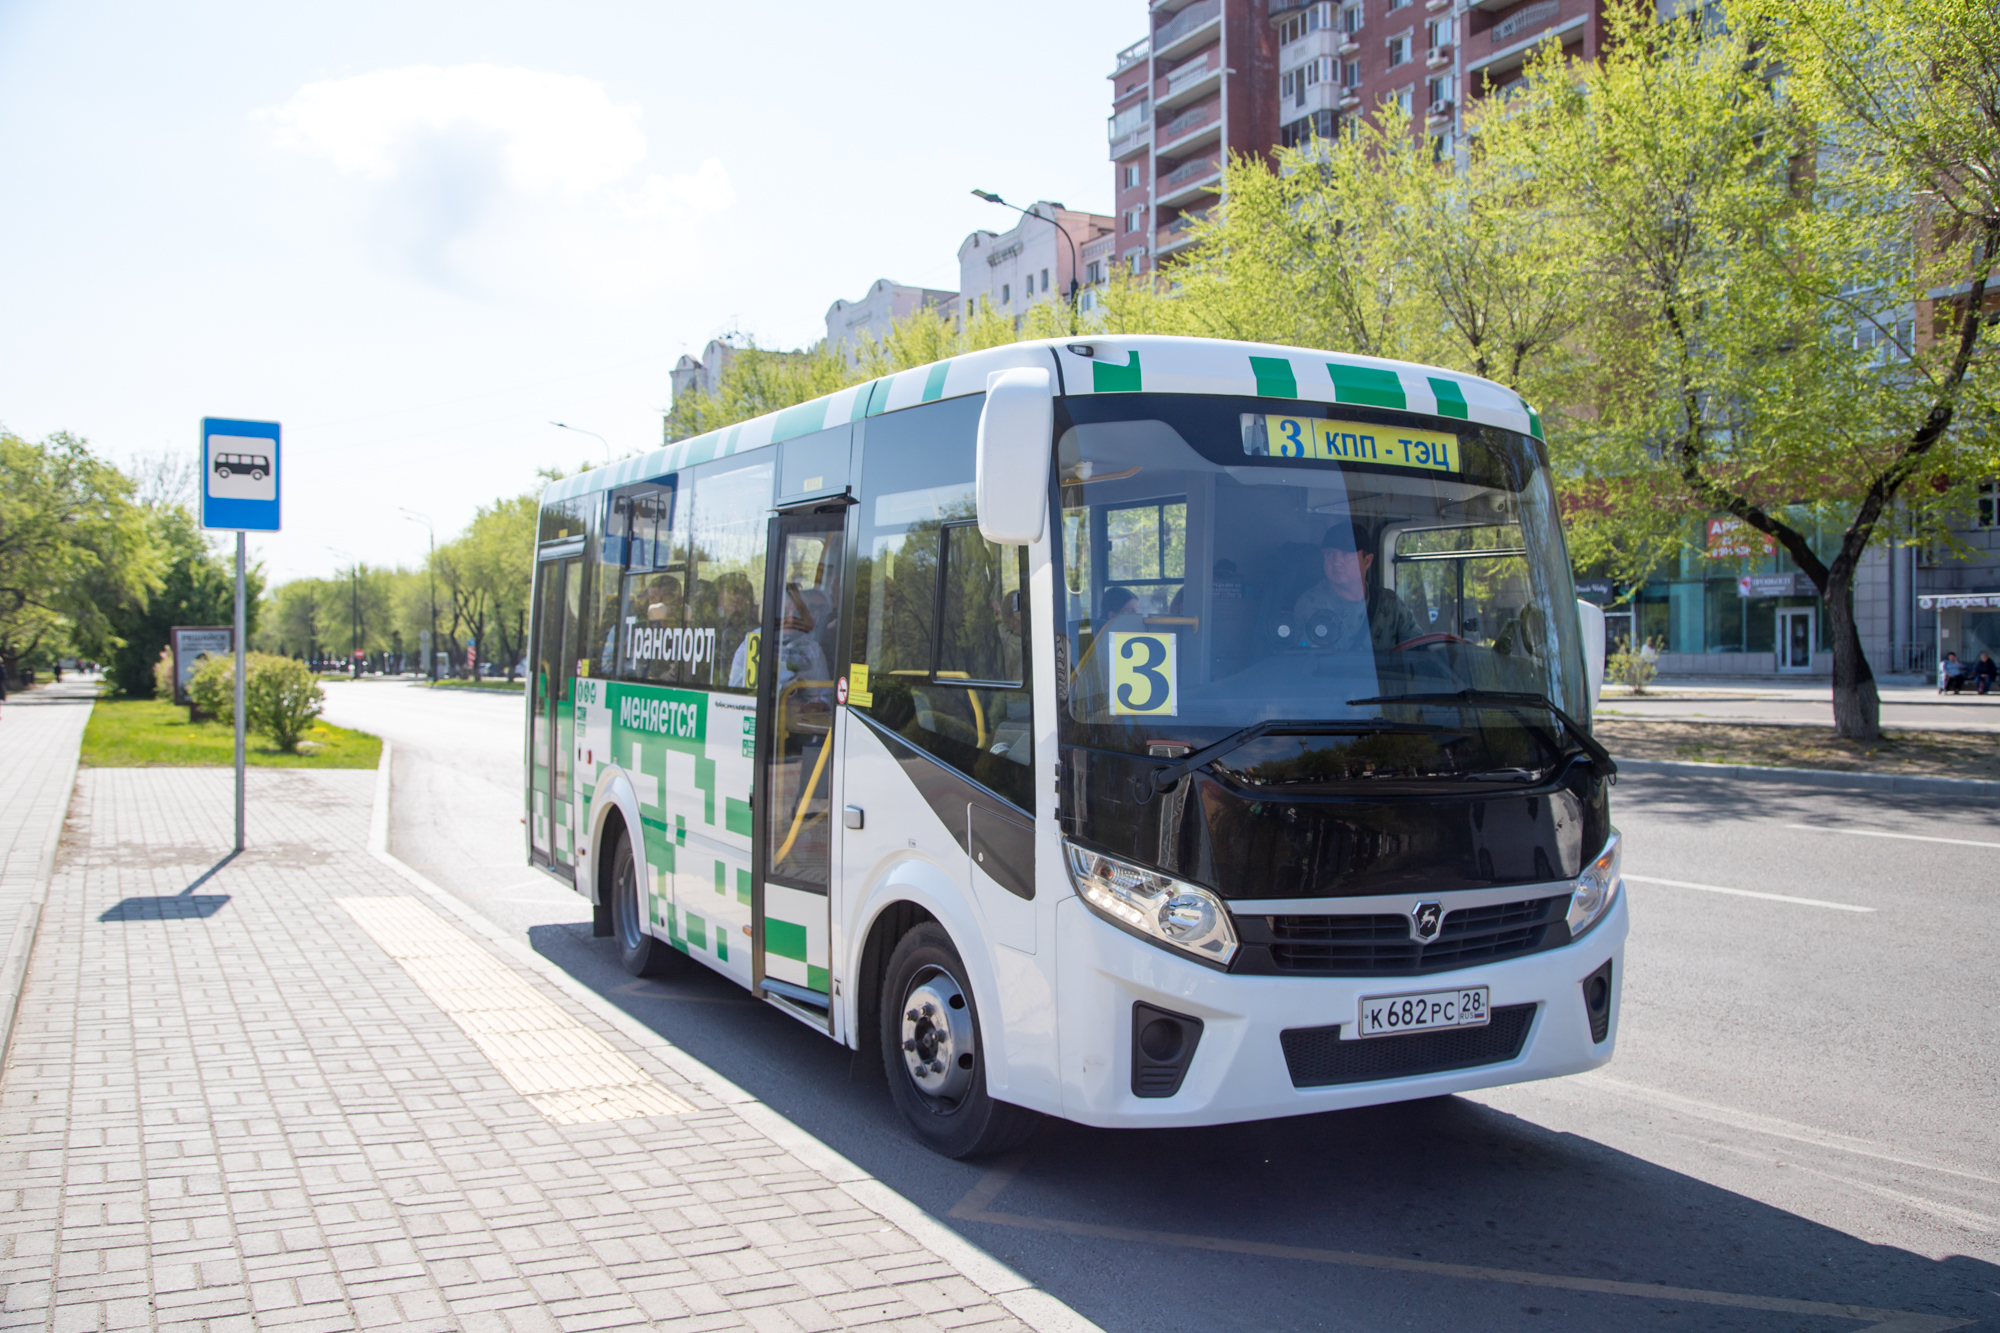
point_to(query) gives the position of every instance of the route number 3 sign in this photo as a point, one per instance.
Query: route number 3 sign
(1143, 674)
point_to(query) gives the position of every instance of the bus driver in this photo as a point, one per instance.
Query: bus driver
(1331, 614)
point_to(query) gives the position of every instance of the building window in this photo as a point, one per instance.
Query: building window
(1403, 100)
(1350, 77)
(1351, 19)
(1132, 175)
(1319, 124)
(1439, 90)
(1399, 50)
(1006, 293)
(1136, 259)
(1093, 272)
(1135, 218)
(1989, 504)
(1399, 4)
(1313, 19)
(1438, 32)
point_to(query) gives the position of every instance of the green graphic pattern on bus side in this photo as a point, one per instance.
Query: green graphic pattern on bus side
(1274, 377)
(1109, 377)
(1451, 399)
(1366, 386)
(934, 385)
(681, 752)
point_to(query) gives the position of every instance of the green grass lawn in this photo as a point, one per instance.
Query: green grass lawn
(145, 733)
(511, 686)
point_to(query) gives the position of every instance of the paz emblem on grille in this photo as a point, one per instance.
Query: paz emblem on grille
(1425, 919)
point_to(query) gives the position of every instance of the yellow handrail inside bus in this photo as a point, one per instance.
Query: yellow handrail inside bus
(805, 797)
(978, 713)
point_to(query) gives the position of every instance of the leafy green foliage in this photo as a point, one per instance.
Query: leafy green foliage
(195, 585)
(281, 696)
(73, 548)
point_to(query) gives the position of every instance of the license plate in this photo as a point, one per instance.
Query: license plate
(1424, 1011)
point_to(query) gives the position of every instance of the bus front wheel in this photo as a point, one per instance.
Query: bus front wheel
(930, 1051)
(640, 953)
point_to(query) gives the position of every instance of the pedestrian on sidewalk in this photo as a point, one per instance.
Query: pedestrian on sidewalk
(1984, 672)
(1951, 675)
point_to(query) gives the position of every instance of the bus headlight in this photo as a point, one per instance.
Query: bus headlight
(1159, 907)
(1596, 889)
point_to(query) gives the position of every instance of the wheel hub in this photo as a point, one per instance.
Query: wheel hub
(937, 1036)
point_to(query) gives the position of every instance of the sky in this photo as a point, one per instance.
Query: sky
(415, 234)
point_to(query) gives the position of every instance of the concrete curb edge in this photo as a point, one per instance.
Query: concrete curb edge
(27, 926)
(1817, 777)
(1025, 1301)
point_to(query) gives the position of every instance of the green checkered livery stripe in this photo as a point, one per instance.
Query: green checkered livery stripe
(736, 816)
(1171, 365)
(743, 887)
(785, 939)
(1274, 377)
(1366, 386)
(1108, 377)
(1450, 398)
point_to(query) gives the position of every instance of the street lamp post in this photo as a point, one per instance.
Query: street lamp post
(593, 434)
(430, 574)
(354, 606)
(992, 198)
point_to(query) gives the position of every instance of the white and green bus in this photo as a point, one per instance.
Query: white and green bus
(1143, 731)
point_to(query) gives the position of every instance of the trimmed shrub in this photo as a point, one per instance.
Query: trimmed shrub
(281, 697)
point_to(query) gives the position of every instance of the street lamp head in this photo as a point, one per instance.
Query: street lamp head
(989, 196)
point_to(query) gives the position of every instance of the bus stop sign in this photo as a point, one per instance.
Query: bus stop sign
(239, 474)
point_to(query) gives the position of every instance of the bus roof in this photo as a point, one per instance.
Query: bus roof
(1113, 363)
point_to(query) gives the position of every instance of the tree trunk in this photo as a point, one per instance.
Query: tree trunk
(1857, 707)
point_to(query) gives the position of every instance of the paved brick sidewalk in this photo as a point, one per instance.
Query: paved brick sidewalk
(227, 1106)
(40, 731)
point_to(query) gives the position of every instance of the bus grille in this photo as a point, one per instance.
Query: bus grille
(1318, 1058)
(1362, 946)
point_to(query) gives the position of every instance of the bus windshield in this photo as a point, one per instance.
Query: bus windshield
(1230, 562)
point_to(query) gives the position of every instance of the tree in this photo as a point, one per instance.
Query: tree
(195, 585)
(72, 546)
(1737, 262)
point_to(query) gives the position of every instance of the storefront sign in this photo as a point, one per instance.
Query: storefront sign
(1733, 539)
(1595, 590)
(1774, 585)
(1969, 600)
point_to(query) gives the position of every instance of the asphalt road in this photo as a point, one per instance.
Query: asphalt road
(1800, 1131)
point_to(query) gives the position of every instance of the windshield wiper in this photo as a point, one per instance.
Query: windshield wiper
(1601, 762)
(1166, 775)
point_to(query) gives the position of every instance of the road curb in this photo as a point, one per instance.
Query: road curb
(1817, 777)
(1023, 1299)
(27, 926)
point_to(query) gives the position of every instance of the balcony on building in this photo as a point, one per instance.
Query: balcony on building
(1505, 46)
(1179, 233)
(1130, 130)
(1190, 129)
(1132, 55)
(1190, 180)
(1190, 81)
(1187, 31)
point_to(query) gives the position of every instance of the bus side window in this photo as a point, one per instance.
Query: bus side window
(948, 673)
(727, 532)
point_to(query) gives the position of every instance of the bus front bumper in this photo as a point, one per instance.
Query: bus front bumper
(1240, 1069)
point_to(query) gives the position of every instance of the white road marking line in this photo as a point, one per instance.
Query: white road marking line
(1747, 893)
(1877, 833)
(561, 1067)
(1758, 1123)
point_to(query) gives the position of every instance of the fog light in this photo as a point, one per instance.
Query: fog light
(1597, 1002)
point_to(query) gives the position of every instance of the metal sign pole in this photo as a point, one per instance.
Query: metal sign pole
(240, 539)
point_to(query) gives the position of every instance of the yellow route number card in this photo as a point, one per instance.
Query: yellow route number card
(1143, 674)
(1353, 442)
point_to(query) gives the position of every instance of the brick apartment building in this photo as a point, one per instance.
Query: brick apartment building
(1245, 76)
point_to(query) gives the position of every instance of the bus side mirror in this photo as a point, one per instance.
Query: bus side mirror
(1011, 484)
(1590, 620)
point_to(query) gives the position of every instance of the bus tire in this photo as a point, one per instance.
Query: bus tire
(929, 1024)
(638, 952)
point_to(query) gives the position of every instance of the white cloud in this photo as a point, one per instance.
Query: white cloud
(484, 177)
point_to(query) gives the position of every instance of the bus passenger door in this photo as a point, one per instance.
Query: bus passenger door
(552, 729)
(793, 828)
